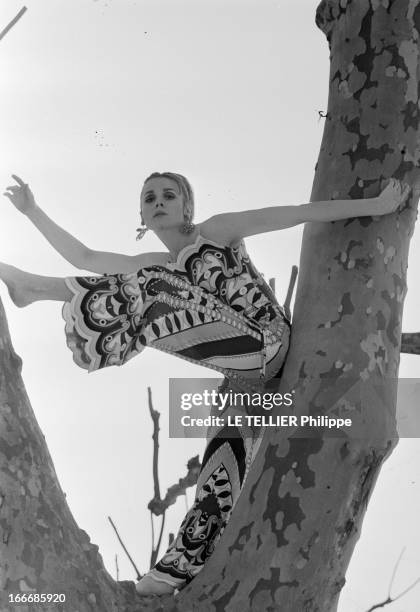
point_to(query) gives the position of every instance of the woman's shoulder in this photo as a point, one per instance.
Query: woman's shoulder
(212, 230)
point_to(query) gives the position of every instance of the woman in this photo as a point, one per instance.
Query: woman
(202, 300)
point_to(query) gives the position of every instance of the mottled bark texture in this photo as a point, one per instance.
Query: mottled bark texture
(294, 529)
(41, 548)
(292, 533)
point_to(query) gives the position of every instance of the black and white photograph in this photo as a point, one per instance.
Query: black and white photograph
(209, 305)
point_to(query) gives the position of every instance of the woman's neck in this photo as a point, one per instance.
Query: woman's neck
(175, 240)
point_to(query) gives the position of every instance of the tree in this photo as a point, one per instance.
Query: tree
(302, 507)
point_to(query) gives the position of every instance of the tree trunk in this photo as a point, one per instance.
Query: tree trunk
(42, 550)
(294, 528)
(293, 531)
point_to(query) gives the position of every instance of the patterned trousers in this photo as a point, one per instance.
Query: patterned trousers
(227, 459)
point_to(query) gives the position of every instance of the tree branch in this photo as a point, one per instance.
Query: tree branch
(155, 418)
(159, 506)
(292, 281)
(155, 437)
(125, 549)
(155, 550)
(390, 599)
(117, 569)
(12, 23)
(410, 343)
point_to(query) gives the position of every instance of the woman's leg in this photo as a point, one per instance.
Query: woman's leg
(224, 469)
(225, 465)
(25, 288)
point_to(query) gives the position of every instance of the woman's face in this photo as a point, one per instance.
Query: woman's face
(162, 204)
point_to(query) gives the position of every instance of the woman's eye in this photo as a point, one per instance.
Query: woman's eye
(170, 196)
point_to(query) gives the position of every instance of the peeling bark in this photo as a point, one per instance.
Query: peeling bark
(41, 548)
(293, 531)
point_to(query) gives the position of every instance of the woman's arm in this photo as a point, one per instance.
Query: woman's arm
(231, 227)
(84, 258)
(104, 262)
(74, 251)
(67, 245)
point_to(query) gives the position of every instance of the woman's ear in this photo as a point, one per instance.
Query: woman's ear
(188, 210)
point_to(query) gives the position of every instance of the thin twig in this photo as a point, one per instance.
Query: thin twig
(153, 542)
(410, 343)
(390, 599)
(153, 531)
(12, 23)
(155, 418)
(286, 305)
(158, 506)
(381, 605)
(117, 569)
(138, 575)
(161, 532)
(155, 551)
(407, 589)
(394, 572)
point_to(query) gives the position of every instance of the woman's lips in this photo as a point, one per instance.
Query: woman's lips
(159, 214)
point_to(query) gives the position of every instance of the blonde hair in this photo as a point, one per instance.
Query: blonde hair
(184, 188)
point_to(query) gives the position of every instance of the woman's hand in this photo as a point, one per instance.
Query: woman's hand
(394, 194)
(21, 196)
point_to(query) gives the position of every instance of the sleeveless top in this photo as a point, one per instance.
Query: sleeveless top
(211, 307)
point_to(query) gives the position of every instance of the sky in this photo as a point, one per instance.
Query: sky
(96, 95)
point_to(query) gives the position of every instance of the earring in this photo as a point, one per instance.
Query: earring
(141, 232)
(188, 226)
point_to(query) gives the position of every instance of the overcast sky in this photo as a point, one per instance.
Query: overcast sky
(95, 95)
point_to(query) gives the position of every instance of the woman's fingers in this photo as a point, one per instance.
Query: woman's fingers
(19, 180)
(13, 188)
(400, 190)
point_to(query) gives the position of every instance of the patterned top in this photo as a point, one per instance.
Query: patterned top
(211, 307)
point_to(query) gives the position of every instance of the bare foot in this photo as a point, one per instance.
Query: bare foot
(149, 586)
(17, 285)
